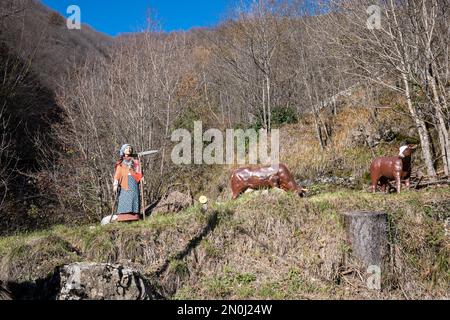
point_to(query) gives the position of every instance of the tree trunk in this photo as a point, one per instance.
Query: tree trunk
(441, 127)
(367, 237)
(264, 107)
(269, 111)
(444, 153)
(421, 128)
(319, 132)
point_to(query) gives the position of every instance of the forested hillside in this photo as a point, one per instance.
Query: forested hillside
(38, 54)
(342, 83)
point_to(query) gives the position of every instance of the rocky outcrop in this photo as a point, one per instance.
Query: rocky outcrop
(100, 281)
(174, 202)
(372, 137)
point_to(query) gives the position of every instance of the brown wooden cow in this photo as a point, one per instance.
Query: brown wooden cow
(256, 177)
(392, 168)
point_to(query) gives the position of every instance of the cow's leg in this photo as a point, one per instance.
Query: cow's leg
(384, 182)
(374, 179)
(408, 183)
(398, 181)
(274, 182)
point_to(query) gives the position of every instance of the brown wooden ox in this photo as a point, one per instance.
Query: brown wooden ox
(392, 168)
(257, 177)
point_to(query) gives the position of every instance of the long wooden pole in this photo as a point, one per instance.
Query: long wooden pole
(141, 183)
(141, 187)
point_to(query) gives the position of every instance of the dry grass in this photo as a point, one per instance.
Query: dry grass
(262, 247)
(344, 156)
(283, 247)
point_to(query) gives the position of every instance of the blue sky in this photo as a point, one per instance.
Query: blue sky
(117, 16)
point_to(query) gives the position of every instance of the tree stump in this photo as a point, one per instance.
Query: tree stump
(368, 237)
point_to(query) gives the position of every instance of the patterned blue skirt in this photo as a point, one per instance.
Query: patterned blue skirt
(129, 199)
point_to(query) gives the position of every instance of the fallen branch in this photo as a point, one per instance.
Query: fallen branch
(431, 183)
(418, 182)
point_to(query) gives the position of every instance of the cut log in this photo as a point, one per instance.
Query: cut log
(367, 236)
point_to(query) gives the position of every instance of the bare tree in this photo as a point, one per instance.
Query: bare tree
(318, 74)
(11, 8)
(248, 47)
(133, 99)
(385, 53)
(7, 158)
(430, 18)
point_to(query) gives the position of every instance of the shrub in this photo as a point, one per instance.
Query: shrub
(283, 115)
(56, 19)
(278, 117)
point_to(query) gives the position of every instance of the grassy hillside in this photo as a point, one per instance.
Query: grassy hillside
(264, 247)
(271, 247)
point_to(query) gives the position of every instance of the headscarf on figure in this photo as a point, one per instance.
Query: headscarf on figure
(121, 154)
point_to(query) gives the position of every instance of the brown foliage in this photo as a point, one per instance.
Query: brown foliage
(56, 19)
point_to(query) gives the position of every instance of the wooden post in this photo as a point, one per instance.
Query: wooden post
(141, 184)
(368, 237)
(141, 188)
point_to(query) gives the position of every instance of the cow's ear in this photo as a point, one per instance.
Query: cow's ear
(412, 146)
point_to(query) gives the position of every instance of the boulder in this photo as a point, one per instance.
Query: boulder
(174, 202)
(373, 135)
(99, 281)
